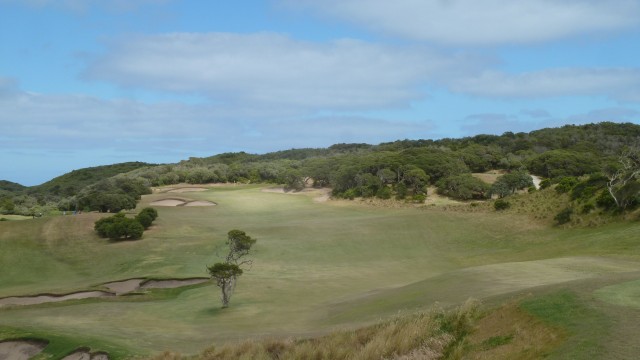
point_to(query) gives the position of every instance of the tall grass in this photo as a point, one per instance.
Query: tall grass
(436, 334)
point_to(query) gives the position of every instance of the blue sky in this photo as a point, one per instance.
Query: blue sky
(94, 82)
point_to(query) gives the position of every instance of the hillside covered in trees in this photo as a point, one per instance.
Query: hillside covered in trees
(581, 160)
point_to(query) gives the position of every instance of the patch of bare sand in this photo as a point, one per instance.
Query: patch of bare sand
(86, 354)
(124, 286)
(172, 283)
(169, 202)
(21, 349)
(46, 298)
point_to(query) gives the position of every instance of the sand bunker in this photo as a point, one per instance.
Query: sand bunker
(21, 349)
(187, 189)
(124, 286)
(116, 287)
(179, 202)
(48, 298)
(85, 354)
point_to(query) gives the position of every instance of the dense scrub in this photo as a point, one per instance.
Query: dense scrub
(402, 169)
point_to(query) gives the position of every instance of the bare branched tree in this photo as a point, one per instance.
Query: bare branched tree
(623, 184)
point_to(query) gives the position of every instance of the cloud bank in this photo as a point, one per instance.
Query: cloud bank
(275, 70)
(472, 22)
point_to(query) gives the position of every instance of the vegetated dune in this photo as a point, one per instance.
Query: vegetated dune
(21, 349)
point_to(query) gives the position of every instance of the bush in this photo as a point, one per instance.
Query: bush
(563, 216)
(118, 226)
(153, 213)
(566, 184)
(587, 208)
(545, 183)
(384, 193)
(501, 204)
(418, 198)
(144, 219)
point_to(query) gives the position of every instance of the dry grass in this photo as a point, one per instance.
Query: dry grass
(429, 335)
(510, 333)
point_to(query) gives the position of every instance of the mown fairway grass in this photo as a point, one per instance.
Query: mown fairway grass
(317, 267)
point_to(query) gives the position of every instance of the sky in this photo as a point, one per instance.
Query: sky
(94, 82)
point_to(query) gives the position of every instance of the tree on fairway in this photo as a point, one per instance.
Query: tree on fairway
(226, 273)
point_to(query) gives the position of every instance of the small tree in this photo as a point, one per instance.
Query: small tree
(226, 273)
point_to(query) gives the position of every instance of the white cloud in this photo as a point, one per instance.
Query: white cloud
(275, 70)
(481, 22)
(615, 83)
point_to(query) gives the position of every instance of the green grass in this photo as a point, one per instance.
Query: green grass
(317, 267)
(586, 324)
(623, 294)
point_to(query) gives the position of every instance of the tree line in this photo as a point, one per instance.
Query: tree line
(401, 169)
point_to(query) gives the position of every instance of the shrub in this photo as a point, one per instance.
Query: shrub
(144, 219)
(384, 193)
(501, 204)
(153, 213)
(545, 183)
(587, 208)
(606, 201)
(566, 184)
(418, 198)
(563, 216)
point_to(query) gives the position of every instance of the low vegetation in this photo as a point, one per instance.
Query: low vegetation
(120, 227)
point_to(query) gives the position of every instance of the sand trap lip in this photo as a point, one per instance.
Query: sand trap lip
(48, 298)
(200, 203)
(86, 354)
(127, 286)
(181, 202)
(21, 349)
(171, 283)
